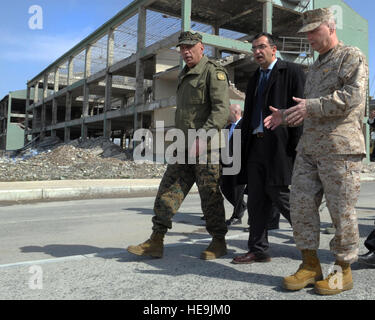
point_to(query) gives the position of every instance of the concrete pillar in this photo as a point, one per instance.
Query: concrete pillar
(8, 114)
(141, 120)
(68, 116)
(54, 116)
(84, 129)
(186, 15)
(86, 91)
(66, 134)
(43, 121)
(110, 47)
(108, 92)
(139, 93)
(267, 16)
(123, 102)
(68, 106)
(54, 111)
(43, 112)
(34, 119)
(86, 95)
(107, 105)
(28, 93)
(88, 61)
(85, 110)
(215, 51)
(36, 92)
(56, 80)
(45, 86)
(70, 71)
(185, 21)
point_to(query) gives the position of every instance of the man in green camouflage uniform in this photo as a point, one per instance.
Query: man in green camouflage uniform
(202, 103)
(329, 154)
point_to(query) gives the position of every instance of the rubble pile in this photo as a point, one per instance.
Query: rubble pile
(95, 158)
(369, 169)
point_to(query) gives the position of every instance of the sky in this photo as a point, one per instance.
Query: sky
(26, 47)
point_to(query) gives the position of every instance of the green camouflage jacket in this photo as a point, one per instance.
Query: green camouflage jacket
(202, 97)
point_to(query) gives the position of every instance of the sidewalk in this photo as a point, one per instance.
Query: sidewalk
(84, 189)
(75, 189)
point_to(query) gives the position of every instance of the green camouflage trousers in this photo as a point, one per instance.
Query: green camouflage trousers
(338, 177)
(174, 187)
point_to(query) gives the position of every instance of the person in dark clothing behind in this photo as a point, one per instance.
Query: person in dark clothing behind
(228, 183)
(369, 258)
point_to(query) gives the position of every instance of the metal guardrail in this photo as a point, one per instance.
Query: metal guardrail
(295, 45)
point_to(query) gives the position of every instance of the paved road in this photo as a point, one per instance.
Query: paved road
(76, 250)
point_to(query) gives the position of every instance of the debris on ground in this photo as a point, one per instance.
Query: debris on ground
(94, 158)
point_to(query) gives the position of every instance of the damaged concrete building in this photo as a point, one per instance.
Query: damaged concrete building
(123, 76)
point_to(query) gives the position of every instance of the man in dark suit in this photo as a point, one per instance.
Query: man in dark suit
(267, 156)
(233, 192)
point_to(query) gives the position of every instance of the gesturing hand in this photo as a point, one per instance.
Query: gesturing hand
(274, 120)
(298, 113)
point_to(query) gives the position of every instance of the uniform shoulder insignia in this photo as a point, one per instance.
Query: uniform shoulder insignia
(221, 75)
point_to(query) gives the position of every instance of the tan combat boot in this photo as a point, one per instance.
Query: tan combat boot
(308, 272)
(216, 249)
(337, 281)
(153, 247)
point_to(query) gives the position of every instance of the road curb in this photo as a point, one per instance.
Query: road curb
(49, 193)
(21, 195)
(77, 193)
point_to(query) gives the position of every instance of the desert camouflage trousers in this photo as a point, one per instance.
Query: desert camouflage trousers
(338, 177)
(174, 187)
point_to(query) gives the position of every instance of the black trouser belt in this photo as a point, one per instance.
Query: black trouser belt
(259, 134)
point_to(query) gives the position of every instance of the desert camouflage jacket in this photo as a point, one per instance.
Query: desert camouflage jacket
(335, 90)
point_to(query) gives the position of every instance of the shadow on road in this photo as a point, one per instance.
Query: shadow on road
(67, 250)
(191, 218)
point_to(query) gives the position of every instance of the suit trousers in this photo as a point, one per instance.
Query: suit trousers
(234, 194)
(261, 196)
(370, 242)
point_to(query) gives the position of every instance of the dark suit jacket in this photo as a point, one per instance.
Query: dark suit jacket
(286, 81)
(230, 142)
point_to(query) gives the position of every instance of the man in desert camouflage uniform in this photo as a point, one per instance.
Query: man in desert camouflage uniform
(202, 103)
(329, 154)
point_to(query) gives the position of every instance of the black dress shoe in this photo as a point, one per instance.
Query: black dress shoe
(367, 259)
(250, 257)
(233, 221)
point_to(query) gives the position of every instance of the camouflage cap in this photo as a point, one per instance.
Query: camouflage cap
(189, 37)
(312, 19)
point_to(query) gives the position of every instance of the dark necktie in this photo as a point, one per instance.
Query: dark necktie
(257, 110)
